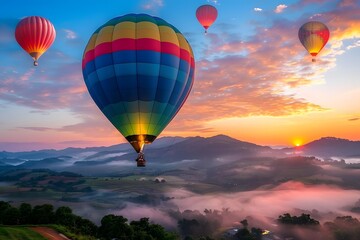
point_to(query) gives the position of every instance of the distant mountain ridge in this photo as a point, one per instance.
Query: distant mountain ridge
(201, 148)
(49, 153)
(326, 146)
(170, 153)
(332, 147)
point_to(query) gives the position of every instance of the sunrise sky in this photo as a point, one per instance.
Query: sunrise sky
(254, 81)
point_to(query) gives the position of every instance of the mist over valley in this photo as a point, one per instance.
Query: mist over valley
(236, 179)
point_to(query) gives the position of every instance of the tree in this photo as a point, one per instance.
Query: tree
(189, 227)
(344, 228)
(25, 210)
(195, 224)
(257, 233)
(64, 216)
(43, 214)
(244, 223)
(143, 229)
(85, 226)
(303, 219)
(3, 207)
(243, 234)
(11, 216)
(115, 227)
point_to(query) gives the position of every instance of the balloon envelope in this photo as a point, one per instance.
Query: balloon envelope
(313, 36)
(206, 15)
(139, 70)
(35, 35)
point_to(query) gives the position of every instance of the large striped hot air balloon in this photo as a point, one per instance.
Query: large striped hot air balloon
(206, 15)
(139, 70)
(313, 36)
(35, 35)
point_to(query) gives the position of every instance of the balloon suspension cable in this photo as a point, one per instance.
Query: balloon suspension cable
(140, 160)
(36, 63)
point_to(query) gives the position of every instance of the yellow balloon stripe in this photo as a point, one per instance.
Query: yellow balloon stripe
(105, 35)
(147, 30)
(124, 30)
(139, 30)
(184, 44)
(168, 35)
(313, 44)
(91, 43)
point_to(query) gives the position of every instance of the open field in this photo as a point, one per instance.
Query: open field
(19, 233)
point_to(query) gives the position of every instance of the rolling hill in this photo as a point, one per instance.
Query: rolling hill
(328, 147)
(169, 153)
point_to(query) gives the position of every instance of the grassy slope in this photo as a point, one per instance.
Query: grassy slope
(19, 233)
(67, 233)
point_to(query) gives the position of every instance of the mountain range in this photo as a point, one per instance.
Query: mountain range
(333, 147)
(170, 153)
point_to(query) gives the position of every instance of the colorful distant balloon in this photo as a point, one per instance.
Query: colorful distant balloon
(139, 70)
(206, 15)
(35, 35)
(313, 36)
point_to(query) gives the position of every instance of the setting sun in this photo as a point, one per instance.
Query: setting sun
(297, 142)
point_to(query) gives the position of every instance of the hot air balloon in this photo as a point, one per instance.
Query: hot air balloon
(139, 70)
(206, 15)
(35, 35)
(313, 36)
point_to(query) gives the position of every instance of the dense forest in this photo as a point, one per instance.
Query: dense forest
(191, 225)
(112, 227)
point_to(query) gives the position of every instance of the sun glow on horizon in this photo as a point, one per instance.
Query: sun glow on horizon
(297, 142)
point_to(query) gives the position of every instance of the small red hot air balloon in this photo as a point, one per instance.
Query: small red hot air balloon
(35, 35)
(206, 15)
(313, 36)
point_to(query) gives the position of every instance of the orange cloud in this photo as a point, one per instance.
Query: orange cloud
(252, 77)
(237, 77)
(253, 83)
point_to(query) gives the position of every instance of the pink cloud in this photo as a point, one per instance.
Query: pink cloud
(237, 78)
(26, 76)
(57, 89)
(152, 4)
(251, 77)
(253, 83)
(38, 129)
(33, 146)
(304, 3)
(95, 126)
(348, 3)
(280, 8)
